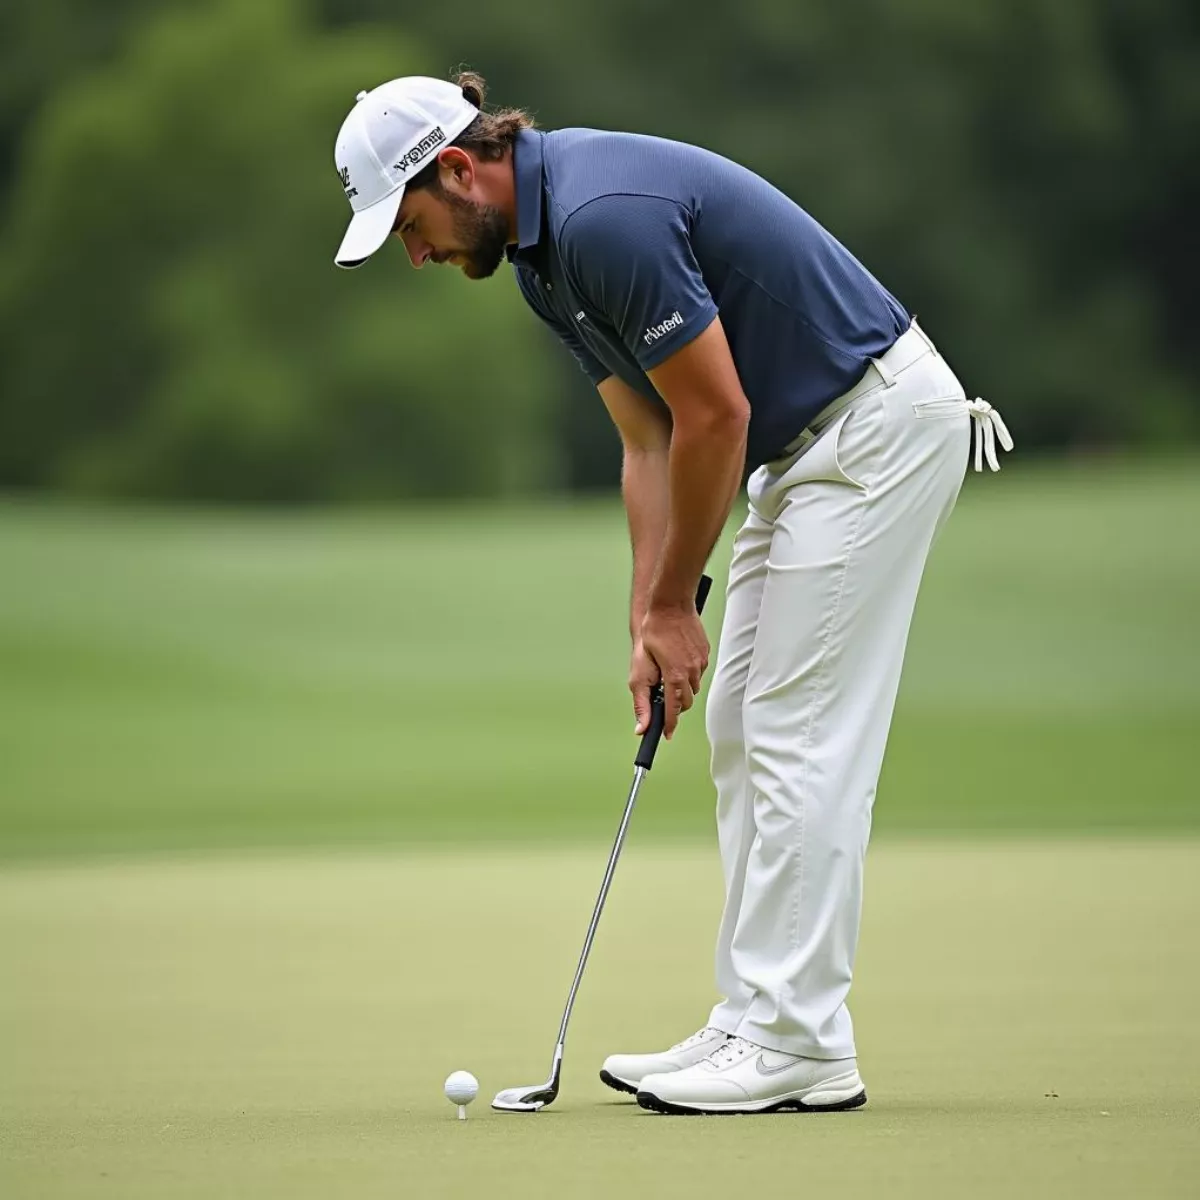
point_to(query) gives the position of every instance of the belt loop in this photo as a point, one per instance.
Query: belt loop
(889, 380)
(922, 335)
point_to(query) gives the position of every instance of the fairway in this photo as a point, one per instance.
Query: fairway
(280, 1027)
(181, 680)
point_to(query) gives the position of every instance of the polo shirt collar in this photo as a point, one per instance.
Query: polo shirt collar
(528, 174)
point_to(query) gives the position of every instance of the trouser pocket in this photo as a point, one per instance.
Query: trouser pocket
(931, 408)
(826, 460)
(987, 424)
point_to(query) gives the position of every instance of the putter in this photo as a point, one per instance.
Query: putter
(531, 1099)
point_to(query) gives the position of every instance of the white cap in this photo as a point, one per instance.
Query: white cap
(390, 134)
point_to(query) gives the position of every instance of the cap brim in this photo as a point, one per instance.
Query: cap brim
(368, 230)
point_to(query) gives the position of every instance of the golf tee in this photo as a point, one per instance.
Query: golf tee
(462, 1112)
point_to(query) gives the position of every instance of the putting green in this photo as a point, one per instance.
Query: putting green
(280, 1027)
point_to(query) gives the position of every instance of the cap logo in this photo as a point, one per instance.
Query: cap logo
(345, 175)
(421, 150)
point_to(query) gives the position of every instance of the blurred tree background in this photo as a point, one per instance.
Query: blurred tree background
(1024, 175)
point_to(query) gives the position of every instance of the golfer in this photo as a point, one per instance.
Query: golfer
(725, 330)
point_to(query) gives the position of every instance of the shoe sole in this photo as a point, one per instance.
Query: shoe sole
(650, 1101)
(618, 1085)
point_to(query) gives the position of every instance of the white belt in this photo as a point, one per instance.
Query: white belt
(910, 347)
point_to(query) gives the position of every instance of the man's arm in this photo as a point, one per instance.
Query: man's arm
(679, 481)
(633, 258)
(645, 486)
(710, 415)
(646, 439)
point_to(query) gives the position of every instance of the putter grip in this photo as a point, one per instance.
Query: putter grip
(658, 708)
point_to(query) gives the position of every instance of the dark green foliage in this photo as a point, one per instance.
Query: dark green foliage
(1024, 175)
(170, 317)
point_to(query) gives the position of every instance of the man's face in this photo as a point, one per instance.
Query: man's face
(441, 227)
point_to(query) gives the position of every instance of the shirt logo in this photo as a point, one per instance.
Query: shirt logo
(344, 173)
(579, 316)
(674, 321)
(434, 138)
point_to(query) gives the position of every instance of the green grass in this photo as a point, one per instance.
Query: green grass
(448, 687)
(280, 1027)
(181, 680)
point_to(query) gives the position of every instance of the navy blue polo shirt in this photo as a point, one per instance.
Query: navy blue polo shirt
(628, 247)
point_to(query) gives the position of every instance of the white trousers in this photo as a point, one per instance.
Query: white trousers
(821, 591)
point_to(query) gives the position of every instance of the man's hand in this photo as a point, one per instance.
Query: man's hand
(643, 675)
(674, 644)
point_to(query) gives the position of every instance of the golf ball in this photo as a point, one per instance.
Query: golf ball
(461, 1087)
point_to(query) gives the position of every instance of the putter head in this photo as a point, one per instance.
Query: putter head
(531, 1099)
(526, 1099)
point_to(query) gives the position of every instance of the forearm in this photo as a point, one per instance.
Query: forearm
(645, 486)
(704, 473)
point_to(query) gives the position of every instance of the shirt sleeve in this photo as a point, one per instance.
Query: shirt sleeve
(591, 366)
(632, 257)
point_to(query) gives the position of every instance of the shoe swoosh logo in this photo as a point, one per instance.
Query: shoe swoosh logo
(761, 1067)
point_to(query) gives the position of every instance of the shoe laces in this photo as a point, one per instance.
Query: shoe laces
(699, 1036)
(730, 1051)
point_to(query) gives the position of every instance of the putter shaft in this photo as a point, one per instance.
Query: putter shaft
(639, 774)
(534, 1098)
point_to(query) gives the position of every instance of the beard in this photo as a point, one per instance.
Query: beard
(482, 232)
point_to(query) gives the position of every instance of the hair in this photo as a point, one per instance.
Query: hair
(489, 137)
